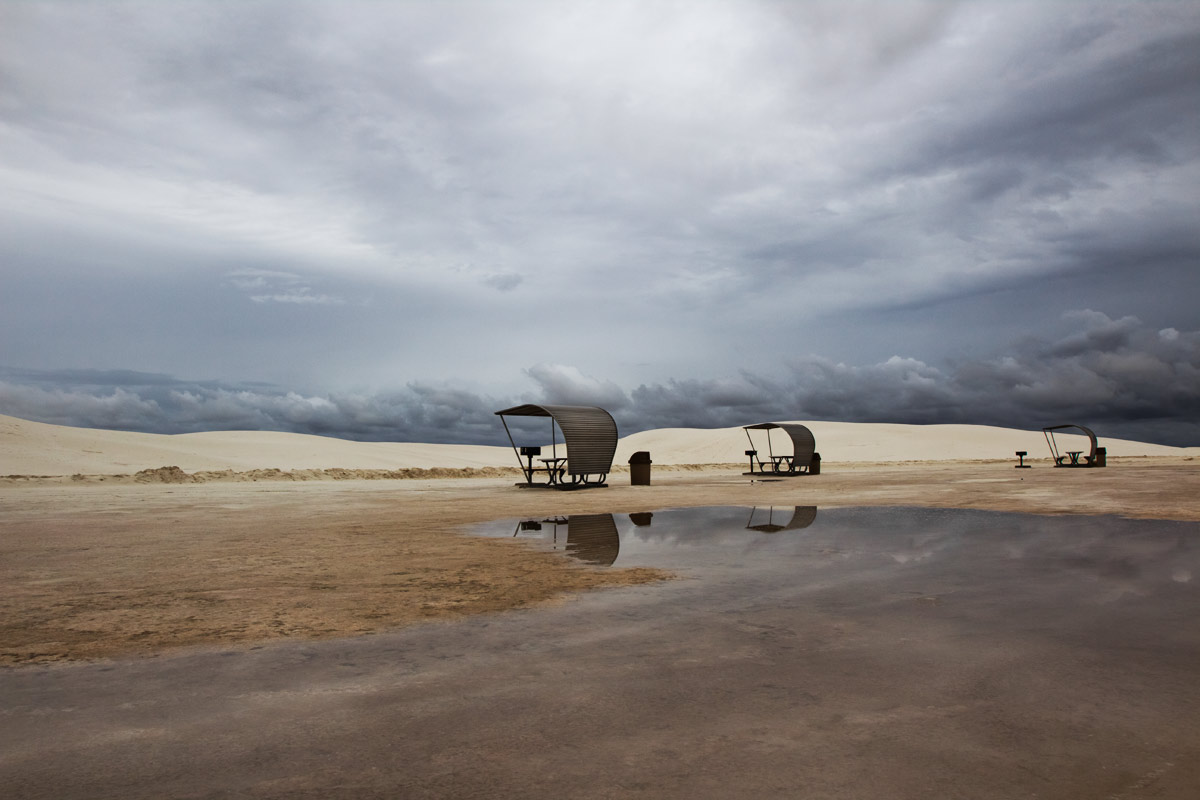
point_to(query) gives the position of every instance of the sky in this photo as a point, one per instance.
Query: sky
(387, 220)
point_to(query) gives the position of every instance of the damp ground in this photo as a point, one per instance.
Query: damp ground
(802, 652)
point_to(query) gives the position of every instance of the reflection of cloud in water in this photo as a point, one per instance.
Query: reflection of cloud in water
(716, 524)
(1077, 559)
(908, 558)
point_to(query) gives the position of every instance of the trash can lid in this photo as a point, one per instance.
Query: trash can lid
(640, 457)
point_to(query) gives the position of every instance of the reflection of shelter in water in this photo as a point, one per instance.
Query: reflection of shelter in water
(592, 538)
(802, 517)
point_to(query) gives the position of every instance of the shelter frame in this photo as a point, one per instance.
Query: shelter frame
(800, 462)
(589, 435)
(1096, 457)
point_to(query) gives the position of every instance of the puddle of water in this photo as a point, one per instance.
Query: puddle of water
(1121, 555)
(673, 537)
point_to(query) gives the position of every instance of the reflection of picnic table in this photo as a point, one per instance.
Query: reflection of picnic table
(802, 517)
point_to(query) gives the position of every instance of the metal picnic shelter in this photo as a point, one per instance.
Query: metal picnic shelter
(589, 434)
(802, 460)
(1096, 457)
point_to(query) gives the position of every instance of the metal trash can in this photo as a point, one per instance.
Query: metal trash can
(639, 468)
(1101, 457)
(814, 467)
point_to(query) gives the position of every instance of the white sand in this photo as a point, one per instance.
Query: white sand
(33, 448)
(872, 442)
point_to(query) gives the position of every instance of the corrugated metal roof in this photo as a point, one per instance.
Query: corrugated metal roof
(804, 444)
(590, 433)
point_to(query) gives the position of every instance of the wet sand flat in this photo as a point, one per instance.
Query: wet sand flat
(878, 652)
(95, 570)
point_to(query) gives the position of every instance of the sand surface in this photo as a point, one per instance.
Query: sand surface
(92, 570)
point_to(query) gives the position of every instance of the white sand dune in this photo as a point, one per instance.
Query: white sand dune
(872, 442)
(34, 448)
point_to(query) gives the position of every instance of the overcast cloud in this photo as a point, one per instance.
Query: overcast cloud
(385, 220)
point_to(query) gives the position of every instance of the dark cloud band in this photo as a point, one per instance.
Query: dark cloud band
(1118, 376)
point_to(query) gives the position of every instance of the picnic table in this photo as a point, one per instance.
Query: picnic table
(554, 468)
(781, 463)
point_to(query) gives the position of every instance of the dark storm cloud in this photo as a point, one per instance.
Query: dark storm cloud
(1116, 376)
(567, 385)
(158, 404)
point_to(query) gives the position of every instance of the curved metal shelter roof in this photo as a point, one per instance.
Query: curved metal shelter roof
(804, 444)
(590, 434)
